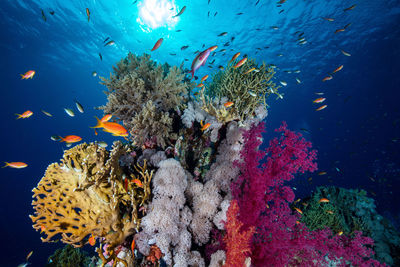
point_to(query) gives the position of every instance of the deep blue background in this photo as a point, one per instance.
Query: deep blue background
(359, 132)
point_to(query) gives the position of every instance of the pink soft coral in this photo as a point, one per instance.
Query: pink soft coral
(264, 203)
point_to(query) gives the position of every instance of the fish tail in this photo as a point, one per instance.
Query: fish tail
(19, 116)
(7, 164)
(61, 139)
(99, 123)
(22, 76)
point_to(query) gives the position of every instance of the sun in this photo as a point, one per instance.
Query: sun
(156, 13)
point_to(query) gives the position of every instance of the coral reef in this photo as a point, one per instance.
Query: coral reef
(138, 83)
(85, 195)
(69, 256)
(247, 91)
(352, 211)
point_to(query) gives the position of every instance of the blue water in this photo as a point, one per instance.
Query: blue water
(358, 133)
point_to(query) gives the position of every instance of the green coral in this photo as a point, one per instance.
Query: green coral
(246, 90)
(69, 256)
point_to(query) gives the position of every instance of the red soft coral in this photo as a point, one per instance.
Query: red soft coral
(236, 239)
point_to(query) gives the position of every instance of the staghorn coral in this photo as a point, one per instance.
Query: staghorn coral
(84, 195)
(246, 91)
(69, 256)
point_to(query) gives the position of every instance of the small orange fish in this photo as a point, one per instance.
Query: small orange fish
(240, 63)
(92, 240)
(205, 126)
(24, 115)
(329, 19)
(137, 182)
(340, 233)
(321, 107)
(297, 222)
(349, 8)
(327, 78)
(329, 211)
(106, 117)
(133, 247)
(338, 68)
(28, 74)
(157, 45)
(29, 255)
(15, 165)
(321, 173)
(323, 200)
(69, 139)
(200, 85)
(339, 30)
(297, 200)
(88, 14)
(319, 100)
(235, 56)
(298, 210)
(204, 78)
(228, 104)
(250, 70)
(212, 48)
(42, 228)
(95, 132)
(111, 127)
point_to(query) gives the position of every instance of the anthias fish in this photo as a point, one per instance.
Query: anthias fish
(28, 75)
(157, 44)
(24, 115)
(199, 61)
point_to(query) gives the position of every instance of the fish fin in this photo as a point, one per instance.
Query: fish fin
(6, 164)
(61, 139)
(99, 123)
(19, 116)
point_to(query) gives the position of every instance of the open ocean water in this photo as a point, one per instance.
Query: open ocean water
(357, 135)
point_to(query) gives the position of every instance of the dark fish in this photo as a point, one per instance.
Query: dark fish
(304, 130)
(209, 1)
(134, 2)
(274, 27)
(197, 51)
(281, 11)
(258, 1)
(184, 47)
(108, 38)
(212, 61)
(208, 14)
(178, 30)
(195, 77)
(226, 44)
(172, 54)
(258, 29)
(301, 34)
(203, 46)
(43, 16)
(214, 53)
(220, 67)
(240, 13)
(258, 48)
(180, 12)
(101, 57)
(51, 12)
(349, 8)
(223, 50)
(265, 47)
(215, 14)
(232, 39)
(186, 59)
(222, 34)
(110, 43)
(347, 25)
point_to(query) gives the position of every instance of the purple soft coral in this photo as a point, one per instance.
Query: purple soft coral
(264, 202)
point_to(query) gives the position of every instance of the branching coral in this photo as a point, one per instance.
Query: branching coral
(246, 91)
(142, 92)
(85, 195)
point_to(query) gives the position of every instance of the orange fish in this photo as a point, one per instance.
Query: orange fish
(204, 126)
(297, 222)
(42, 228)
(228, 104)
(339, 30)
(29, 255)
(235, 56)
(340, 233)
(137, 182)
(69, 139)
(16, 165)
(321, 173)
(240, 63)
(88, 14)
(204, 78)
(250, 70)
(327, 78)
(319, 100)
(111, 127)
(212, 48)
(95, 132)
(329, 19)
(338, 68)
(92, 240)
(133, 247)
(24, 115)
(323, 200)
(106, 117)
(298, 210)
(321, 107)
(28, 74)
(200, 85)
(329, 211)
(157, 45)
